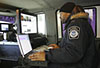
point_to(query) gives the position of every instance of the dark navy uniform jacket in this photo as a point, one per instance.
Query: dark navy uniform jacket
(77, 48)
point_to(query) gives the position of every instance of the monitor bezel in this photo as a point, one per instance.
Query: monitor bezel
(19, 22)
(9, 27)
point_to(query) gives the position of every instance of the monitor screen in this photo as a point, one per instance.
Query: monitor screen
(24, 44)
(28, 24)
(5, 27)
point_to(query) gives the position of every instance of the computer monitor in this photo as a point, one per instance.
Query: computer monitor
(5, 27)
(28, 24)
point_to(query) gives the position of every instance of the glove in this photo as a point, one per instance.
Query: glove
(54, 46)
(38, 56)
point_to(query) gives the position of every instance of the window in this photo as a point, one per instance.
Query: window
(41, 24)
(59, 25)
(92, 18)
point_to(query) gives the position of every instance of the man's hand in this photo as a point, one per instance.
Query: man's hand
(54, 46)
(38, 56)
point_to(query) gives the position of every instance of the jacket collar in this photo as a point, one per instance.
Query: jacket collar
(75, 16)
(79, 15)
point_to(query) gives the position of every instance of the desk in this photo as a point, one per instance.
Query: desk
(9, 51)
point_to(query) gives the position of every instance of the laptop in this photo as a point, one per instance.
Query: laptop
(26, 49)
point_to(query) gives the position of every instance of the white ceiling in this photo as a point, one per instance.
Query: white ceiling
(33, 5)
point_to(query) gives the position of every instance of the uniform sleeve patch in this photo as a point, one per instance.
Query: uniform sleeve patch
(74, 32)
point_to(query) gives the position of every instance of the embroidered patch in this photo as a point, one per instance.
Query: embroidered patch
(73, 32)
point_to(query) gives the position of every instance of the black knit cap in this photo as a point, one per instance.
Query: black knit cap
(68, 7)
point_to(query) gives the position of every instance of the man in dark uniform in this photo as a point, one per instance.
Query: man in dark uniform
(77, 48)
